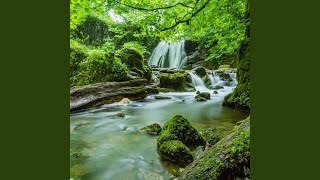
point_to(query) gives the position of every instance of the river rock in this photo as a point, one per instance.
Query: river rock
(84, 97)
(217, 87)
(176, 152)
(152, 129)
(162, 97)
(200, 71)
(227, 159)
(120, 115)
(215, 92)
(180, 136)
(204, 96)
(177, 81)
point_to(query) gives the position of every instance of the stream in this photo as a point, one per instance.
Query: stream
(104, 147)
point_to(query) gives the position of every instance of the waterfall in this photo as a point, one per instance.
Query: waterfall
(165, 55)
(197, 82)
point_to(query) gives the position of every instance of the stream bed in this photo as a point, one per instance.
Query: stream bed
(103, 146)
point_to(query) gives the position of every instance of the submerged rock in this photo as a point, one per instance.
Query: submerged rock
(202, 96)
(120, 115)
(215, 92)
(162, 97)
(227, 159)
(176, 152)
(152, 129)
(217, 87)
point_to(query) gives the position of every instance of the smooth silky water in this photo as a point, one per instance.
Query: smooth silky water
(104, 147)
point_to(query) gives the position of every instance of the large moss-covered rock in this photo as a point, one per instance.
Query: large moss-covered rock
(240, 97)
(135, 62)
(177, 81)
(176, 152)
(227, 159)
(179, 128)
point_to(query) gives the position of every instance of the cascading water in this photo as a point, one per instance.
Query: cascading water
(165, 55)
(198, 83)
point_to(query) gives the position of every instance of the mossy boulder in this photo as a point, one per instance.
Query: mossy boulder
(205, 95)
(229, 158)
(215, 92)
(199, 98)
(176, 152)
(200, 71)
(154, 129)
(217, 87)
(177, 81)
(131, 57)
(135, 62)
(179, 128)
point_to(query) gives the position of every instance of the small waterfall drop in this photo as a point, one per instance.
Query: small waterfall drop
(169, 55)
(197, 82)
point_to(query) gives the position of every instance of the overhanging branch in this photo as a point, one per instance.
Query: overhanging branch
(153, 9)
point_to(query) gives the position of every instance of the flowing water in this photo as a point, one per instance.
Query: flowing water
(169, 55)
(104, 147)
(198, 83)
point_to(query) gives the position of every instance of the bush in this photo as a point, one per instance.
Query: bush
(99, 66)
(78, 52)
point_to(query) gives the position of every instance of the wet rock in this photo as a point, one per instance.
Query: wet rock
(176, 81)
(215, 92)
(204, 96)
(200, 71)
(162, 97)
(147, 175)
(176, 152)
(217, 87)
(198, 92)
(120, 115)
(179, 128)
(199, 98)
(229, 158)
(152, 129)
(84, 97)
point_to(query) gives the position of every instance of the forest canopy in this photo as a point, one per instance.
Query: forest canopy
(218, 25)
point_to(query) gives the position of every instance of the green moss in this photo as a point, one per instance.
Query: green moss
(131, 57)
(224, 66)
(180, 127)
(227, 159)
(240, 98)
(175, 151)
(205, 95)
(212, 135)
(177, 81)
(165, 135)
(201, 99)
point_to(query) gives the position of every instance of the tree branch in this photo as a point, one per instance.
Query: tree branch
(153, 9)
(186, 20)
